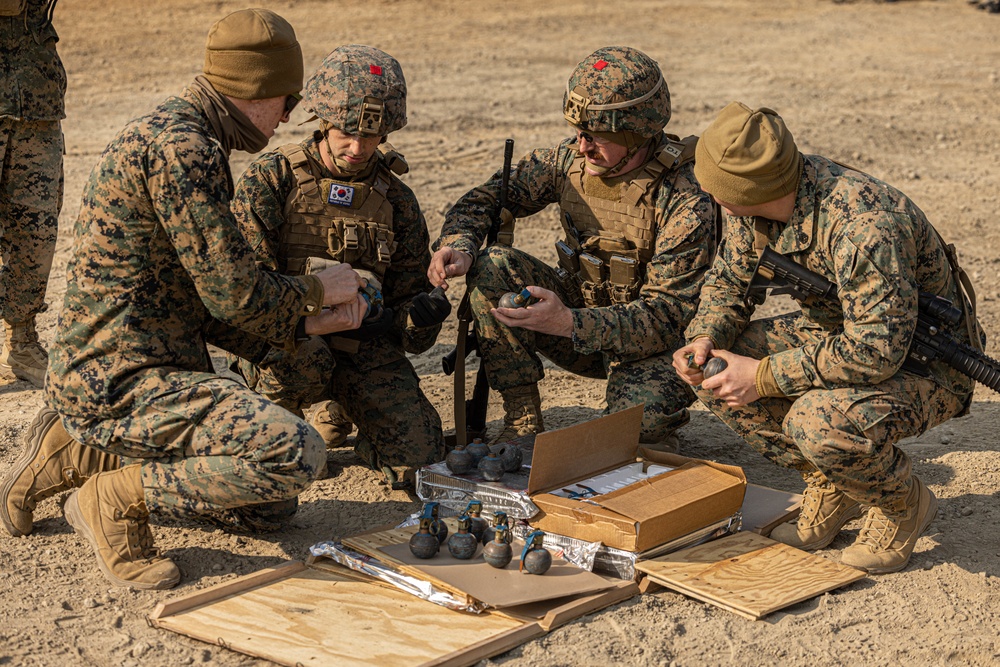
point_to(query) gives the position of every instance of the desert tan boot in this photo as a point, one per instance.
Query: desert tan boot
(22, 355)
(825, 510)
(51, 462)
(332, 423)
(522, 408)
(110, 511)
(886, 541)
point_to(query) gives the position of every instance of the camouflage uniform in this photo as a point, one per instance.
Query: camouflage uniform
(847, 402)
(32, 85)
(630, 343)
(376, 386)
(159, 270)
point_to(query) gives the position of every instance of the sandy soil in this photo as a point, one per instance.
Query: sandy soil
(907, 91)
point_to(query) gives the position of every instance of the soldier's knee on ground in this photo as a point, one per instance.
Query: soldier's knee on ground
(659, 432)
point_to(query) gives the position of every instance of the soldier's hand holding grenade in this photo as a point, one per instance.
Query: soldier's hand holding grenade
(427, 310)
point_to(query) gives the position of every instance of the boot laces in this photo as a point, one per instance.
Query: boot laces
(878, 531)
(812, 498)
(138, 534)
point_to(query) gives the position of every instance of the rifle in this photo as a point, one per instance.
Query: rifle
(934, 314)
(470, 414)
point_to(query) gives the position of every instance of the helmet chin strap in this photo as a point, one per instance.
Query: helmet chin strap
(343, 166)
(607, 172)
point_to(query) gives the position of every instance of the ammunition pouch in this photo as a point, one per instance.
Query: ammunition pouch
(12, 7)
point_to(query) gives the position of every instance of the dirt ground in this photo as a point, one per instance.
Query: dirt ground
(907, 91)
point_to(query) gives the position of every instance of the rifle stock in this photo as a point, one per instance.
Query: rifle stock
(930, 340)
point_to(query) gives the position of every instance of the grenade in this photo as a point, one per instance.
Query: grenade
(463, 544)
(535, 559)
(477, 524)
(498, 552)
(422, 543)
(499, 519)
(438, 528)
(515, 299)
(491, 468)
(478, 449)
(373, 297)
(510, 455)
(459, 460)
(714, 366)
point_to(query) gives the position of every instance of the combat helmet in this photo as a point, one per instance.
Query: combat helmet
(617, 89)
(359, 90)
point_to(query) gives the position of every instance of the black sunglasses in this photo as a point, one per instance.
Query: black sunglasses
(291, 101)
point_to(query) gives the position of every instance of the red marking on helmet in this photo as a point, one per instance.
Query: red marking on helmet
(375, 69)
(600, 64)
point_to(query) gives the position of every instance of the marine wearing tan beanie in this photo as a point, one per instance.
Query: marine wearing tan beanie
(253, 54)
(747, 157)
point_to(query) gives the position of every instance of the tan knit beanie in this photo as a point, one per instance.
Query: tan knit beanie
(252, 54)
(747, 157)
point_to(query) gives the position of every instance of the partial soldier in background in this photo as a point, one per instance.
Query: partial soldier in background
(639, 237)
(158, 271)
(337, 197)
(32, 87)
(824, 390)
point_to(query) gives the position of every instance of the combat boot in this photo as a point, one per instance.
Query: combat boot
(825, 510)
(522, 412)
(52, 462)
(110, 511)
(886, 541)
(22, 355)
(332, 423)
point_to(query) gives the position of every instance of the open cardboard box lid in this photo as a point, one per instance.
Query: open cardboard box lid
(661, 508)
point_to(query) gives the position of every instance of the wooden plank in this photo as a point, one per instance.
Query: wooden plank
(647, 585)
(764, 508)
(748, 574)
(234, 587)
(588, 604)
(318, 617)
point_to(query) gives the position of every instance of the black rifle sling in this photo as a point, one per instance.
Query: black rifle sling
(464, 322)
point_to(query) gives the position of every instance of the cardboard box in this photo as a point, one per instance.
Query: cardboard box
(638, 517)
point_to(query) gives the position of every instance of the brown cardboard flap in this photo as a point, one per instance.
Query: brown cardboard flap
(578, 451)
(670, 492)
(505, 587)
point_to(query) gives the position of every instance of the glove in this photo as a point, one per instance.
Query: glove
(427, 310)
(371, 327)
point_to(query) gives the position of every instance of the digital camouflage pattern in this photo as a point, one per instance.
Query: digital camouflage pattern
(376, 386)
(32, 79)
(618, 76)
(338, 90)
(847, 401)
(158, 269)
(620, 338)
(32, 87)
(510, 354)
(31, 183)
(209, 444)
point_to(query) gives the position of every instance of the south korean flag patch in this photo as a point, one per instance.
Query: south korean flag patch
(341, 195)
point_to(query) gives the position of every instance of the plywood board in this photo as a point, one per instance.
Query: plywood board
(764, 508)
(295, 615)
(748, 574)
